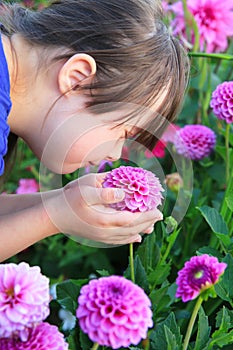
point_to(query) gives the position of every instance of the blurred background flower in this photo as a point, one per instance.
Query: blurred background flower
(214, 19)
(222, 101)
(27, 186)
(195, 141)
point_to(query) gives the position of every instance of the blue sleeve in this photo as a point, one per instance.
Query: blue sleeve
(5, 106)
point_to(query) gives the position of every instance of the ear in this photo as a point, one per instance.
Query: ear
(78, 68)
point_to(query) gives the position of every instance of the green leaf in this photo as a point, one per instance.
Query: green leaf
(224, 287)
(86, 343)
(229, 199)
(221, 150)
(149, 252)
(211, 251)
(159, 336)
(72, 341)
(170, 339)
(67, 294)
(203, 332)
(160, 300)
(216, 223)
(223, 320)
(159, 275)
(221, 339)
(103, 273)
(140, 274)
(214, 219)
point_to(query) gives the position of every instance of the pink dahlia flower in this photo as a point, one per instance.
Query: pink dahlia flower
(114, 312)
(158, 151)
(214, 19)
(199, 273)
(24, 298)
(222, 101)
(195, 141)
(142, 188)
(42, 337)
(27, 186)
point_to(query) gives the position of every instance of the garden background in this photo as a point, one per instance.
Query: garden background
(203, 224)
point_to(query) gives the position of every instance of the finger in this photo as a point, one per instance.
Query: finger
(149, 229)
(92, 195)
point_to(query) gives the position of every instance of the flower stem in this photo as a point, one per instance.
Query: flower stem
(227, 153)
(191, 322)
(95, 346)
(131, 262)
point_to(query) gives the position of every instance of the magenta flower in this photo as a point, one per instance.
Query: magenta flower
(222, 101)
(114, 312)
(27, 186)
(142, 188)
(158, 151)
(42, 337)
(214, 20)
(195, 141)
(24, 298)
(199, 273)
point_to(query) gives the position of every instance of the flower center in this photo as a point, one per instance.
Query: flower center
(10, 292)
(206, 15)
(199, 274)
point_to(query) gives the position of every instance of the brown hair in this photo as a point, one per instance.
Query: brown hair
(137, 57)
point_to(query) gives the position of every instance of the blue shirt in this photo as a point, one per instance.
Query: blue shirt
(5, 105)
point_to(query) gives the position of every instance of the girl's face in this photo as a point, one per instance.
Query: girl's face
(82, 140)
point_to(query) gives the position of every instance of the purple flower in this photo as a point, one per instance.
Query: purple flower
(199, 273)
(214, 20)
(42, 337)
(114, 312)
(195, 141)
(142, 188)
(24, 298)
(222, 101)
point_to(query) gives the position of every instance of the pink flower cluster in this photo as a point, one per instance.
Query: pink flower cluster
(142, 188)
(195, 141)
(114, 312)
(214, 19)
(41, 337)
(24, 304)
(27, 186)
(199, 273)
(222, 101)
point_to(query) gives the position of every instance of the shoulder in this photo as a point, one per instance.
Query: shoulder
(5, 106)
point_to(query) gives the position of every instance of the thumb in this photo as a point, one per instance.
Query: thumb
(111, 195)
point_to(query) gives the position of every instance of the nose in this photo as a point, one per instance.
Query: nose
(116, 152)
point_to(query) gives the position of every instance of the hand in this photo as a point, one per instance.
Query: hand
(82, 209)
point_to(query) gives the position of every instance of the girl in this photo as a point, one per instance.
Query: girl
(76, 79)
